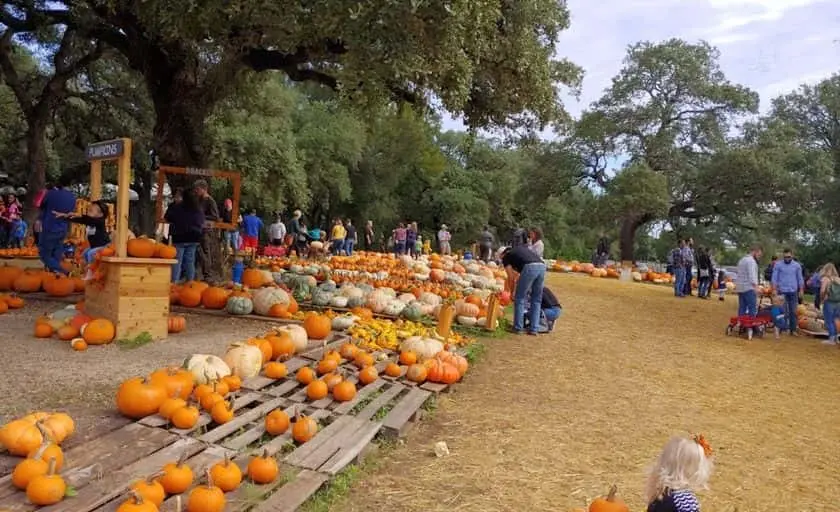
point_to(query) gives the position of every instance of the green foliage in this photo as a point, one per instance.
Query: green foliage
(637, 191)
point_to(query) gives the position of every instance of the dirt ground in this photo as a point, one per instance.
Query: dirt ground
(550, 423)
(546, 423)
(48, 375)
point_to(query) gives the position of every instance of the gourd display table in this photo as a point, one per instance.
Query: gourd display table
(134, 295)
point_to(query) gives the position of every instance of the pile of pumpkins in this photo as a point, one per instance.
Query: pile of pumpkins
(143, 247)
(16, 279)
(71, 324)
(37, 437)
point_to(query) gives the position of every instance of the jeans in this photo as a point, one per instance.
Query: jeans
(90, 254)
(531, 281)
(348, 247)
(831, 310)
(816, 292)
(704, 286)
(679, 281)
(185, 254)
(399, 247)
(337, 247)
(51, 250)
(687, 282)
(747, 303)
(791, 303)
(232, 240)
(485, 252)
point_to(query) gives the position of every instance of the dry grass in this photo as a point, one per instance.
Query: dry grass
(550, 423)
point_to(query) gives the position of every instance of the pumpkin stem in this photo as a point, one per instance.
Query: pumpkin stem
(182, 459)
(154, 476)
(136, 496)
(51, 468)
(209, 477)
(612, 493)
(265, 454)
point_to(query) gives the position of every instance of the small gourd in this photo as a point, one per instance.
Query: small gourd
(46, 489)
(226, 475)
(263, 469)
(177, 476)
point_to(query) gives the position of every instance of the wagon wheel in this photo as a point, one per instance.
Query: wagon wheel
(760, 331)
(750, 333)
(729, 330)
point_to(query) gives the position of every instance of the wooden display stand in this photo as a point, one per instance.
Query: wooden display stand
(135, 292)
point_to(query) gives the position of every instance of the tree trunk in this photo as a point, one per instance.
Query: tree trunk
(36, 152)
(627, 236)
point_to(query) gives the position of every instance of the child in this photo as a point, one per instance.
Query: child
(427, 247)
(418, 247)
(721, 284)
(97, 233)
(684, 466)
(17, 233)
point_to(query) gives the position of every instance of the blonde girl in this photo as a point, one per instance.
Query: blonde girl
(830, 298)
(683, 467)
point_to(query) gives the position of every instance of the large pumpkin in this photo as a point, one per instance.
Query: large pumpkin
(189, 297)
(317, 326)
(138, 397)
(264, 298)
(8, 275)
(28, 282)
(206, 368)
(141, 248)
(253, 278)
(61, 286)
(425, 348)
(609, 503)
(167, 252)
(214, 298)
(99, 332)
(244, 360)
(239, 305)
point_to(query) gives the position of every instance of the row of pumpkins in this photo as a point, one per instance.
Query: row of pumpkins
(10, 301)
(16, 279)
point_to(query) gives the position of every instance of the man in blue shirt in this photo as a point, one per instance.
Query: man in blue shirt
(788, 281)
(251, 228)
(54, 228)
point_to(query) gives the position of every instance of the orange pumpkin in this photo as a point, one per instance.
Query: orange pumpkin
(43, 330)
(176, 323)
(282, 346)
(458, 361)
(276, 422)
(214, 298)
(265, 348)
(99, 332)
(189, 297)
(167, 252)
(443, 372)
(416, 373)
(609, 503)
(67, 332)
(141, 247)
(317, 326)
(368, 374)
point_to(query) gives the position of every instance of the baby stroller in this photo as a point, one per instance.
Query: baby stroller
(750, 326)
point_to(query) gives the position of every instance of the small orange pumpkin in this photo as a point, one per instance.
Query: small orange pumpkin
(263, 469)
(276, 422)
(368, 375)
(317, 326)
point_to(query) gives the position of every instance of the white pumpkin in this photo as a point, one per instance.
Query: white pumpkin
(343, 322)
(298, 335)
(394, 308)
(407, 297)
(430, 298)
(338, 301)
(264, 298)
(482, 322)
(206, 368)
(425, 348)
(244, 360)
(469, 321)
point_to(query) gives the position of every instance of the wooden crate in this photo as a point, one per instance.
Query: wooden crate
(134, 295)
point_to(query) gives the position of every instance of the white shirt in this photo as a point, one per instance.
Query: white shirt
(747, 274)
(538, 248)
(277, 231)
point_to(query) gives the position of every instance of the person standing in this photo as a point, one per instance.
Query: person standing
(399, 239)
(518, 237)
(704, 273)
(337, 237)
(298, 242)
(370, 237)
(352, 238)
(252, 226)
(277, 232)
(830, 297)
(209, 251)
(526, 273)
(788, 281)
(688, 263)
(411, 239)
(746, 283)
(186, 230)
(768, 271)
(602, 251)
(677, 264)
(54, 228)
(485, 244)
(444, 240)
(231, 234)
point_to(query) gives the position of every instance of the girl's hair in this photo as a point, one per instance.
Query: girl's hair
(830, 271)
(537, 232)
(682, 465)
(103, 207)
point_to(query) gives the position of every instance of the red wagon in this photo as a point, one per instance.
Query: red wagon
(750, 326)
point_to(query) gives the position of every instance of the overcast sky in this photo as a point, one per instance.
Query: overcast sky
(771, 46)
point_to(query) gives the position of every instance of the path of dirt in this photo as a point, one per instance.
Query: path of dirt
(550, 423)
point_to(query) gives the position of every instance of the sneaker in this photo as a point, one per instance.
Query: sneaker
(830, 342)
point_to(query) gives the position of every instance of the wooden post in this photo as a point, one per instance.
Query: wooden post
(492, 313)
(95, 180)
(123, 198)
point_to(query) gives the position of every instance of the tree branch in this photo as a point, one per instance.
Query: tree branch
(10, 74)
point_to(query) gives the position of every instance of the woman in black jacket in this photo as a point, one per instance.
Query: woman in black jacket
(704, 273)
